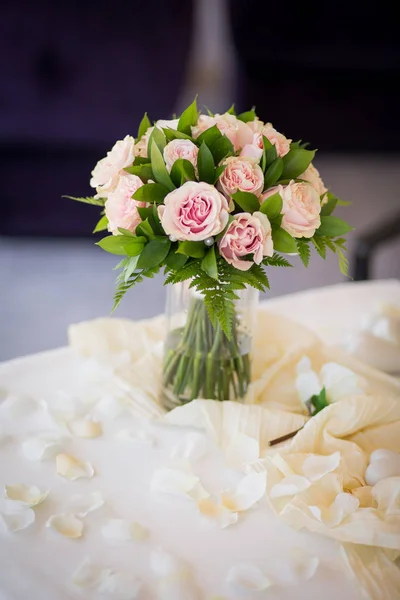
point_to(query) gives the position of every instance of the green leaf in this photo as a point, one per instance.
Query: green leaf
(276, 261)
(155, 221)
(143, 127)
(135, 278)
(145, 229)
(145, 212)
(175, 261)
(333, 227)
(296, 161)
(173, 134)
(283, 241)
(88, 200)
(151, 192)
(304, 251)
(130, 267)
(193, 249)
(231, 110)
(182, 171)
(320, 245)
(272, 206)
(273, 173)
(319, 401)
(247, 116)
(157, 136)
(188, 118)
(343, 202)
(144, 171)
(218, 172)
(247, 202)
(154, 253)
(160, 172)
(209, 136)
(328, 208)
(209, 263)
(126, 232)
(221, 148)
(122, 244)
(205, 164)
(101, 224)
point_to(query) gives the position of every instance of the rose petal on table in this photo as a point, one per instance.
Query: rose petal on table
(81, 505)
(24, 495)
(247, 578)
(120, 586)
(85, 428)
(89, 575)
(303, 566)
(242, 449)
(63, 407)
(164, 564)
(72, 468)
(121, 530)
(18, 519)
(110, 407)
(218, 514)
(19, 405)
(289, 486)
(316, 466)
(175, 482)
(192, 446)
(139, 435)
(249, 490)
(43, 446)
(66, 524)
(343, 506)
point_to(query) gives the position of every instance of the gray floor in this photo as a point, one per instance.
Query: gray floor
(46, 285)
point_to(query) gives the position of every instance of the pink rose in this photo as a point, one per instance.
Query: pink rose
(121, 210)
(142, 144)
(277, 139)
(311, 174)
(252, 151)
(180, 149)
(195, 212)
(247, 234)
(106, 173)
(235, 130)
(301, 208)
(241, 174)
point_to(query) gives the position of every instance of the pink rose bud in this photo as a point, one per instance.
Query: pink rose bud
(121, 210)
(241, 174)
(301, 208)
(277, 139)
(311, 174)
(194, 212)
(106, 173)
(247, 234)
(235, 130)
(180, 149)
(142, 144)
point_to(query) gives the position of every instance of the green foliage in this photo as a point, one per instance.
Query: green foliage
(320, 245)
(209, 263)
(175, 261)
(123, 286)
(273, 173)
(158, 137)
(269, 154)
(101, 224)
(143, 170)
(205, 164)
(328, 208)
(173, 134)
(160, 172)
(304, 251)
(143, 126)
(188, 118)
(182, 171)
(209, 136)
(218, 172)
(154, 253)
(221, 148)
(283, 241)
(272, 206)
(247, 116)
(247, 202)
(276, 261)
(151, 192)
(319, 402)
(296, 161)
(231, 110)
(88, 200)
(192, 249)
(122, 244)
(333, 227)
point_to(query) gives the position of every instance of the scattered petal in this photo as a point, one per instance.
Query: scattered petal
(382, 464)
(316, 466)
(120, 530)
(89, 576)
(43, 446)
(307, 381)
(24, 495)
(141, 436)
(164, 564)
(191, 446)
(218, 514)
(71, 468)
(85, 428)
(304, 566)
(339, 381)
(120, 586)
(65, 407)
(289, 486)
(80, 505)
(249, 491)
(175, 482)
(247, 578)
(343, 505)
(242, 449)
(110, 407)
(66, 524)
(19, 405)
(15, 520)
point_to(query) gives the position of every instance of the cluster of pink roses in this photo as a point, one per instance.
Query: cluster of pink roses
(198, 211)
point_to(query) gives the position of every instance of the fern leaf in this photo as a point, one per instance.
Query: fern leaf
(88, 200)
(276, 261)
(320, 245)
(135, 278)
(304, 251)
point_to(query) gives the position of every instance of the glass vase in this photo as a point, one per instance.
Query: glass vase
(199, 360)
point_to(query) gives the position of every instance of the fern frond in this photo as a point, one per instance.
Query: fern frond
(135, 278)
(276, 261)
(88, 200)
(320, 245)
(304, 251)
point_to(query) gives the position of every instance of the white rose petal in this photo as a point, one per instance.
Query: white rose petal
(315, 466)
(81, 505)
(343, 506)
(164, 564)
(289, 486)
(249, 491)
(303, 565)
(247, 578)
(242, 449)
(339, 382)
(110, 407)
(175, 482)
(382, 464)
(66, 524)
(85, 428)
(24, 495)
(119, 586)
(65, 407)
(191, 446)
(120, 530)
(140, 436)
(43, 446)
(307, 381)
(19, 405)
(16, 520)
(71, 468)
(89, 576)
(177, 587)
(218, 514)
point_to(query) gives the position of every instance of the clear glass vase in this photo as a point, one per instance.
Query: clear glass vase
(199, 360)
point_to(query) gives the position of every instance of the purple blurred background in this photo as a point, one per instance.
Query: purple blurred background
(76, 76)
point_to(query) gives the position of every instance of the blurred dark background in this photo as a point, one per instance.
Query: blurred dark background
(76, 76)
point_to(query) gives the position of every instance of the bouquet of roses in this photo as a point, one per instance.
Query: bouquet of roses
(214, 199)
